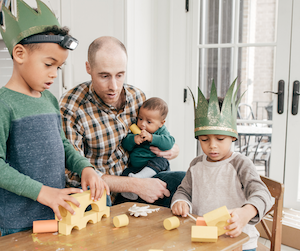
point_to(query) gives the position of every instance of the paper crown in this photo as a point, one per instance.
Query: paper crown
(28, 22)
(208, 117)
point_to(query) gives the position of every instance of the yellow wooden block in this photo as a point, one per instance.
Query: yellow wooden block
(218, 217)
(204, 234)
(80, 219)
(121, 220)
(171, 223)
(135, 129)
(66, 229)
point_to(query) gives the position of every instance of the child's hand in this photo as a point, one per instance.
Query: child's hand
(90, 178)
(146, 135)
(138, 139)
(54, 197)
(181, 208)
(239, 219)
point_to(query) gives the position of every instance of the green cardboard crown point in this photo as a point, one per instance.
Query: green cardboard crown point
(208, 117)
(26, 23)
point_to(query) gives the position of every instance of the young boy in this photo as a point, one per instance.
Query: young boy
(143, 162)
(33, 147)
(221, 177)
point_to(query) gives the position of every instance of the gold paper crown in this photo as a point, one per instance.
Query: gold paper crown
(28, 22)
(208, 117)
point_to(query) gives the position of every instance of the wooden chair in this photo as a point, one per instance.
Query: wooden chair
(276, 189)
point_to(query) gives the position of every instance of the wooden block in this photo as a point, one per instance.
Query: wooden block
(171, 223)
(121, 220)
(218, 217)
(89, 216)
(85, 200)
(45, 226)
(135, 129)
(80, 219)
(156, 250)
(200, 221)
(204, 234)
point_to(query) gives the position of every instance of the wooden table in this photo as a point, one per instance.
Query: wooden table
(142, 233)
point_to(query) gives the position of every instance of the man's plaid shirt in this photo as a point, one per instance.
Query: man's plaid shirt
(96, 129)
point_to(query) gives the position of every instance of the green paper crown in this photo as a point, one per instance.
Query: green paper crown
(28, 22)
(208, 117)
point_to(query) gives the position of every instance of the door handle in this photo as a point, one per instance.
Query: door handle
(295, 100)
(280, 97)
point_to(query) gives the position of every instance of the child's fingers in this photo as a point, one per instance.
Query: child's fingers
(84, 185)
(72, 190)
(68, 207)
(106, 188)
(57, 213)
(93, 192)
(99, 190)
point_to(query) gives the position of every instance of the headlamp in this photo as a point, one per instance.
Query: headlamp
(66, 42)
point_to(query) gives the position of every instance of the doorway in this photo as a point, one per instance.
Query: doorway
(255, 41)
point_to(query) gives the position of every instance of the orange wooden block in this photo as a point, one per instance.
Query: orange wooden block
(200, 221)
(45, 226)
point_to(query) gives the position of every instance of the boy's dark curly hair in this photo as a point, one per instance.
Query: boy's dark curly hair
(50, 30)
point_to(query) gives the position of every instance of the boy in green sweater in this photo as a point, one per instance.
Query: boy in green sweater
(143, 162)
(33, 148)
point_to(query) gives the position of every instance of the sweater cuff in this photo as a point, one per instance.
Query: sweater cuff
(80, 165)
(32, 189)
(155, 140)
(184, 201)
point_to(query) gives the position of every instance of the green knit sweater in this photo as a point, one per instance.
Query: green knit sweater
(33, 152)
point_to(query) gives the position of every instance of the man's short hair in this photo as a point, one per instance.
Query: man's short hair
(156, 104)
(50, 30)
(100, 42)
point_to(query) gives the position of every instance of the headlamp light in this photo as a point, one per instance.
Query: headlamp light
(66, 42)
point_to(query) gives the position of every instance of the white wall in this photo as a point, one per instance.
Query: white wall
(87, 21)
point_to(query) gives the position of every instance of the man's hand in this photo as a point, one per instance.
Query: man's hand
(181, 208)
(170, 154)
(239, 219)
(54, 197)
(151, 189)
(90, 178)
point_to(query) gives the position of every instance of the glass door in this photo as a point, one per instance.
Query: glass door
(251, 40)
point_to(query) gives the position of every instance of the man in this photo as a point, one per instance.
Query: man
(96, 117)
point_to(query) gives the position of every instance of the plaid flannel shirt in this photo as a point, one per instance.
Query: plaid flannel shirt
(96, 129)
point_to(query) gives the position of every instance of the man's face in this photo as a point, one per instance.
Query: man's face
(108, 74)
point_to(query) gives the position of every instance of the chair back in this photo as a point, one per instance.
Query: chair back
(276, 189)
(245, 112)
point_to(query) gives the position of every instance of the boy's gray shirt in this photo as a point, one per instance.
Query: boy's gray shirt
(233, 182)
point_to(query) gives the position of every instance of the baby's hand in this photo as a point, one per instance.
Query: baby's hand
(90, 178)
(181, 208)
(239, 219)
(138, 139)
(54, 197)
(146, 136)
